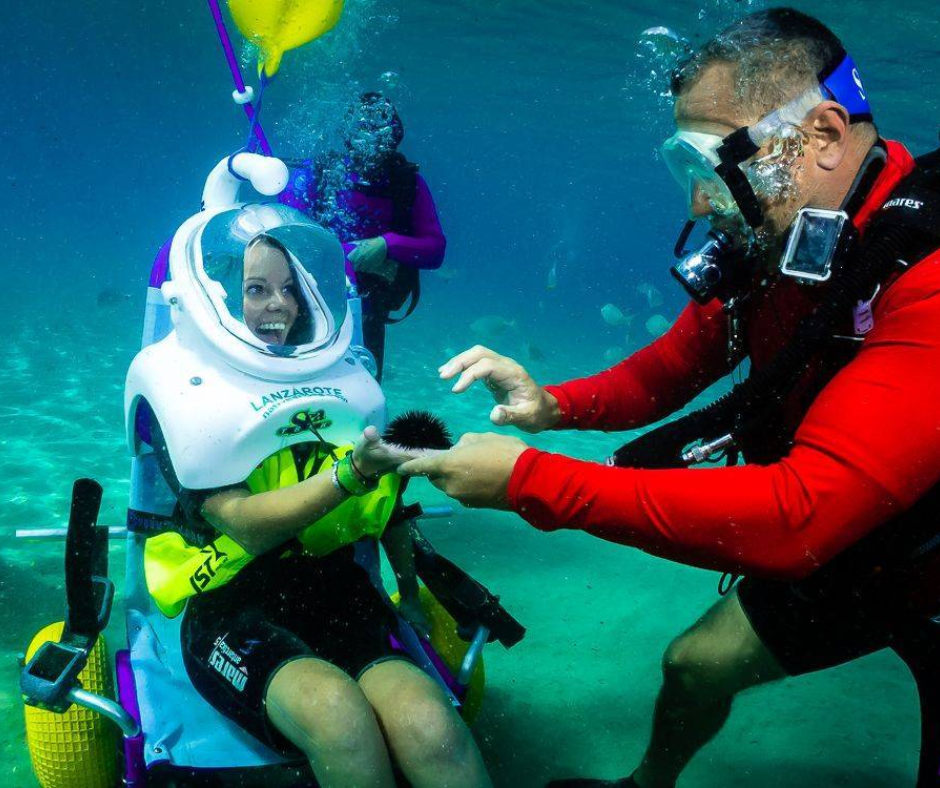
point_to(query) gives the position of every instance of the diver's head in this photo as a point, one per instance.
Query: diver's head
(771, 117)
(269, 291)
(373, 129)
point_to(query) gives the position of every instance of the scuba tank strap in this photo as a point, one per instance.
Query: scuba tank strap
(403, 190)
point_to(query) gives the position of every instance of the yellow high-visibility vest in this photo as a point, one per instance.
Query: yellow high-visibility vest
(176, 570)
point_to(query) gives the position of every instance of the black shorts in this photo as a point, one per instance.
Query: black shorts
(806, 632)
(276, 610)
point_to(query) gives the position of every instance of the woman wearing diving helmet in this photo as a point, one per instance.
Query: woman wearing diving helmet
(285, 633)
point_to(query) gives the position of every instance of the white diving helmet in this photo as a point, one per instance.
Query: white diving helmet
(211, 290)
(260, 356)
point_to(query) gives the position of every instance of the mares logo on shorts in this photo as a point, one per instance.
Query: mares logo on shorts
(204, 573)
(224, 661)
(305, 421)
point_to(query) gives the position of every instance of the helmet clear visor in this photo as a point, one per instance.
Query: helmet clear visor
(273, 279)
(692, 157)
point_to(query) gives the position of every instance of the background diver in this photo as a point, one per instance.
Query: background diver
(373, 199)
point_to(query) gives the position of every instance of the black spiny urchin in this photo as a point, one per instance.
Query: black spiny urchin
(418, 429)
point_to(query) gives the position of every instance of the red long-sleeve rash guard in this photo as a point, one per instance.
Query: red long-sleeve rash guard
(868, 447)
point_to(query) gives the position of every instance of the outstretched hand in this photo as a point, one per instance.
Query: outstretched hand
(521, 402)
(375, 457)
(475, 472)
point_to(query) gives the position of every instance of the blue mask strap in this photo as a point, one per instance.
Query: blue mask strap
(841, 82)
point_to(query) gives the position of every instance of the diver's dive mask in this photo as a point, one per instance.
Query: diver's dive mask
(692, 158)
(717, 168)
(715, 164)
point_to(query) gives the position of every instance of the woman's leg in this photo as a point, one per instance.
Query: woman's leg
(324, 713)
(429, 741)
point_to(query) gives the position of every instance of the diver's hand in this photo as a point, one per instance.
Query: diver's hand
(522, 402)
(475, 472)
(413, 613)
(371, 256)
(374, 457)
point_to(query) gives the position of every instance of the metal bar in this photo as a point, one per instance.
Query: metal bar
(435, 512)
(473, 655)
(54, 534)
(107, 708)
(237, 74)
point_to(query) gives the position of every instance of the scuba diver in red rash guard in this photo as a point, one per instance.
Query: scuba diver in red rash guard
(821, 266)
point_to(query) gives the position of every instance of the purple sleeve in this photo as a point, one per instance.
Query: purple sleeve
(424, 248)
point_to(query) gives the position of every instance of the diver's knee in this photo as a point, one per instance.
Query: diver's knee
(687, 669)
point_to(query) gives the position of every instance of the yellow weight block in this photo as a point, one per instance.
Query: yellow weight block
(277, 26)
(452, 649)
(77, 749)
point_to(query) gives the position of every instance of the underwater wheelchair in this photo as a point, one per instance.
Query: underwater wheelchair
(170, 736)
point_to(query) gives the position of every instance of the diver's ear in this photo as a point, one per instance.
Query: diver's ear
(827, 127)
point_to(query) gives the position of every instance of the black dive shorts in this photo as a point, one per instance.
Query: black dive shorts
(806, 632)
(274, 611)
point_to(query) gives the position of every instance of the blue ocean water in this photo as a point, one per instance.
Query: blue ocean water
(536, 123)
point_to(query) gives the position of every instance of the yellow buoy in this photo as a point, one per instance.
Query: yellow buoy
(77, 749)
(452, 649)
(277, 26)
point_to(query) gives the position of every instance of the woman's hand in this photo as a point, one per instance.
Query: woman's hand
(371, 256)
(374, 457)
(522, 402)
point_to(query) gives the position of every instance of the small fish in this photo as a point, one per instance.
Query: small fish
(111, 297)
(552, 281)
(389, 79)
(533, 352)
(447, 274)
(614, 354)
(491, 326)
(614, 316)
(657, 325)
(651, 293)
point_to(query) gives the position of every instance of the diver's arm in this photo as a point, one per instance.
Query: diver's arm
(262, 521)
(654, 381)
(425, 246)
(867, 449)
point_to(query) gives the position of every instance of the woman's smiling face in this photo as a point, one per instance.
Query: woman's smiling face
(269, 293)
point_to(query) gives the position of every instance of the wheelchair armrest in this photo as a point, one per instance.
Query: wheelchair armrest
(470, 603)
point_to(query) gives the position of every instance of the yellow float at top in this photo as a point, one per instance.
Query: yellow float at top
(281, 25)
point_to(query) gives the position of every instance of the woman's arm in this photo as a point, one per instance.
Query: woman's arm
(263, 521)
